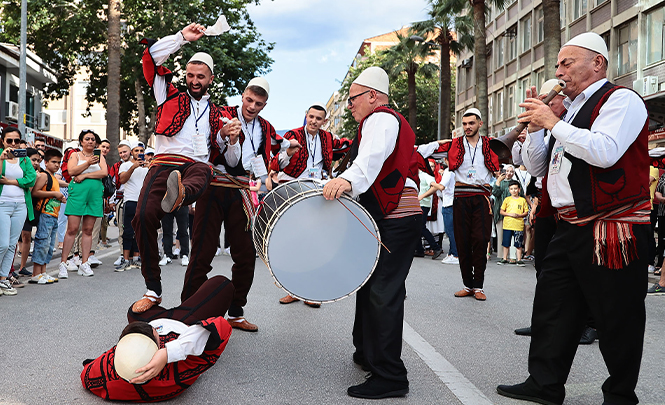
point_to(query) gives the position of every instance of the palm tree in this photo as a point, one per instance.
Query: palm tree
(409, 56)
(445, 18)
(552, 27)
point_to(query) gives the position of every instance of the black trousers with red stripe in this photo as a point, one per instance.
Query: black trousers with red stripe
(220, 205)
(472, 222)
(196, 178)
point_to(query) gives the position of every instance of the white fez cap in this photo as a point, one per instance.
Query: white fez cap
(125, 142)
(132, 352)
(259, 82)
(149, 151)
(549, 86)
(473, 111)
(136, 144)
(375, 78)
(590, 41)
(321, 105)
(203, 58)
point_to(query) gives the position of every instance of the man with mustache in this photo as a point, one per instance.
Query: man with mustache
(186, 128)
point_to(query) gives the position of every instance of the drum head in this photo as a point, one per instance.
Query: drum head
(320, 252)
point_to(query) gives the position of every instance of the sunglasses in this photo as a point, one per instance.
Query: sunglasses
(12, 141)
(349, 102)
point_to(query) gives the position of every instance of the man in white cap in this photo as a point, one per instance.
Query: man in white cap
(597, 172)
(186, 129)
(474, 166)
(117, 202)
(245, 145)
(383, 176)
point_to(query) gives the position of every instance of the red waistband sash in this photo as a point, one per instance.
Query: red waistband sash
(472, 190)
(615, 244)
(221, 179)
(172, 160)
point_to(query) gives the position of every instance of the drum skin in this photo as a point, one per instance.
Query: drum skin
(315, 249)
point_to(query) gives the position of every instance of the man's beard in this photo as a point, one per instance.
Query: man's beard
(200, 92)
(472, 134)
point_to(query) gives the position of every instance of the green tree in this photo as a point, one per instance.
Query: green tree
(409, 56)
(453, 31)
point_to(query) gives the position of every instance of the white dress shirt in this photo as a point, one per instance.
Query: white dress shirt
(379, 137)
(182, 142)
(191, 342)
(473, 158)
(314, 158)
(448, 193)
(618, 124)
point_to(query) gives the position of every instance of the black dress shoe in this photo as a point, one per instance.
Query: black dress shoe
(437, 253)
(523, 331)
(377, 388)
(588, 336)
(359, 359)
(527, 393)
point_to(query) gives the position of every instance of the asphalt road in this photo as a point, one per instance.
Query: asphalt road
(456, 349)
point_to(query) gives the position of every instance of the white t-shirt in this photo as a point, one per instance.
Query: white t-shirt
(448, 181)
(12, 193)
(135, 182)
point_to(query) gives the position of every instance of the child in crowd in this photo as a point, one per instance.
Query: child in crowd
(513, 209)
(26, 234)
(48, 196)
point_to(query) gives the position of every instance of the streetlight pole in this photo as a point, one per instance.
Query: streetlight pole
(22, 71)
(418, 38)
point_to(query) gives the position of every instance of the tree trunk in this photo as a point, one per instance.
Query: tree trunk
(413, 108)
(113, 86)
(480, 54)
(144, 135)
(552, 27)
(446, 84)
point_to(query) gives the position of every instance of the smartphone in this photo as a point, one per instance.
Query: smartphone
(141, 156)
(19, 153)
(97, 152)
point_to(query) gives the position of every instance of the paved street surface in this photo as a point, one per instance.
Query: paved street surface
(456, 349)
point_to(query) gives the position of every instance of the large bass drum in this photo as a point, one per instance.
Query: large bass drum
(317, 250)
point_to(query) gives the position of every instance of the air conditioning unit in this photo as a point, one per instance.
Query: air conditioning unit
(638, 86)
(44, 121)
(467, 63)
(12, 113)
(650, 85)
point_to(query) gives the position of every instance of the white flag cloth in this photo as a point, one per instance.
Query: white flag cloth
(220, 27)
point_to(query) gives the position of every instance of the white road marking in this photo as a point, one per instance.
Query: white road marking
(459, 385)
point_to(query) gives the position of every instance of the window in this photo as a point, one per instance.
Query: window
(511, 101)
(540, 79)
(526, 34)
(499, 52)
(523, 87)
(490, 111)
(461, 80)
(540, 22)
(579, 8)
(499, 106)
(511, 36)
(563, 8)
(656, 35)
(627, 54)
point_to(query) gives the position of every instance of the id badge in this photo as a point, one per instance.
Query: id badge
(472, 173)
(199, 144)
(557, 156)
(314, 173)
(258, 166)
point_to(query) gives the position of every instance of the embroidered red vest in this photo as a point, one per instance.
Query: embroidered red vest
(172, 113)
(596, 189)
(456, 152)
(333, 149)
(384, 194)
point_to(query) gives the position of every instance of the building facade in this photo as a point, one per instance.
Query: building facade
(633, 30)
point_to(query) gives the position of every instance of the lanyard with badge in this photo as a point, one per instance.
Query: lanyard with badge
(199, 140)
(471, 175)
(314, 172)
(258, 166)
(557, 154)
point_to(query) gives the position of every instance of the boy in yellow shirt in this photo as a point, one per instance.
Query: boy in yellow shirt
(513, 209)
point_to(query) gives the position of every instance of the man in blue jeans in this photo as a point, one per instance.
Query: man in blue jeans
(448, 183)
(428, 187)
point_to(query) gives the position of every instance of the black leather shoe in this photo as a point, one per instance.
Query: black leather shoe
(588, 336)
(359, 359)
(437, 253)
(527, 393)
(523, 331)
(377, 388)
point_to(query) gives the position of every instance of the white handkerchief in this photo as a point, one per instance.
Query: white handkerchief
(657, 152)
(220, 27)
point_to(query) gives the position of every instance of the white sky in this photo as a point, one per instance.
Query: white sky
(315, 42)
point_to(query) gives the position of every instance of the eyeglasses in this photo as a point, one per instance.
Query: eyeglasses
(349, 102)
(12, 141)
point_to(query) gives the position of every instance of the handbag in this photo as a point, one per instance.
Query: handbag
(109, 186)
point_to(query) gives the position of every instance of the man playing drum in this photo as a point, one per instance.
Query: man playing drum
(246, 145)
(383, 176)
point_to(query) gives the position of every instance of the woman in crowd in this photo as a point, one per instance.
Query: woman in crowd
(85, 202)
(18, 176)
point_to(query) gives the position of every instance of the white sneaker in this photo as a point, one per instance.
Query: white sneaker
(76, 260)
(651, 268)
(218, 252)
(453, 260)
(165, 260)
(39, 279)
(62, 270)
(49, 278)
(227, 251)
(184, 261)
(117, 262)
(85, 270)
(6, 288)
(176, 252)
(71, 266)
(445, 259)
(94, 262)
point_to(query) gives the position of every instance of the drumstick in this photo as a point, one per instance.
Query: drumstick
(361, 222)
